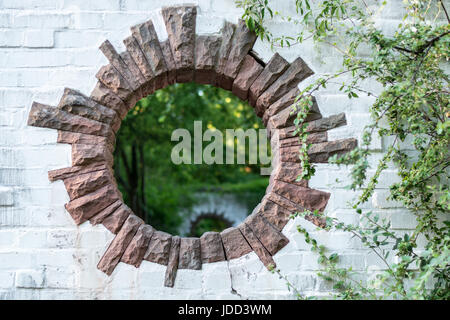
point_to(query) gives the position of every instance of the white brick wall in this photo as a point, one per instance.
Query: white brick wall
(46, 45)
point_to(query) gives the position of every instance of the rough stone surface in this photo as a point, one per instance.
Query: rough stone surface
(135, 251)
(274, 213)
(310, 199)
(77, 103)
(116, 219)
(180, 24)
(296, 72)
(285, 101)
(83, 154)
(102, 94)
(257, 246)
(206, 50)
(273, 69)
(190, 254)
(133, 68)
(242, 41)
(119, 64)
(211, 247)
(117, 247)
(286, 117)
(148, 40)
(159, 248)
(272, 239)
(99, 217)
(112, 79)
(49, 117)
(69, 172)
(288, 172)
(249, 71)
(172, 266)
(234, 243)
(83, 184)
(227, 33)
(139, 57)
(83, 138)
(312, 138)
(319, 152)
(170, 62)
(316, 126)
(85, 207)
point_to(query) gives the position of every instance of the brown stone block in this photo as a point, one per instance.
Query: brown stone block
(190, 254)
(310, 199)
(49, 117)
(147, 38)
(77, 103)
(69, 172)
(170, 62)
(84, 154)
(242, 42)
(139, 58)
(227, 33)
(288, 172)
(206, 50)
(83, 184)
(316, 137)
(172, 266)
(257, 246)
(85, 207)
(112, 79)
(134, 69)
(135, 251)
(284, 102)
(117, 247)
(83, 138)
(249, 71)
(159, 248)
(234, 243)
(274, 213)
(272, 239)
(120, 65)
(273, 69)
(116, 219)
(99, 217)
(107, 97)
(180, 24)
(321, 152)
(212, 248)
(294, 74)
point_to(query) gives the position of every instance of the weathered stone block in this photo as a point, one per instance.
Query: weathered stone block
(83, 184)
(180, 24)
(296, 72)
(273, 69)
(84, 154)
(135, 251)
(190, 254)
(85, 207)
(83, 138)
(49, 117)
(117, 247)
(234, 243)
(116, 219)
(69, 172)
(272, 239)
(172, 266)
(99, 217)
(249, 71)
(212, 248)
(206, 50)
(107, 97)
(242, 41)
(159, 248)
(227, 33)
(257, 246)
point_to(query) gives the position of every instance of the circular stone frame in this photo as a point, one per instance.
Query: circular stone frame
(225, 60)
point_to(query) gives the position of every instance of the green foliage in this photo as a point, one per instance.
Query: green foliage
(154, 187)
(411, 107)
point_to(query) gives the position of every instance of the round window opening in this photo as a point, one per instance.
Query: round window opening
(184, 151)
(90, 124)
